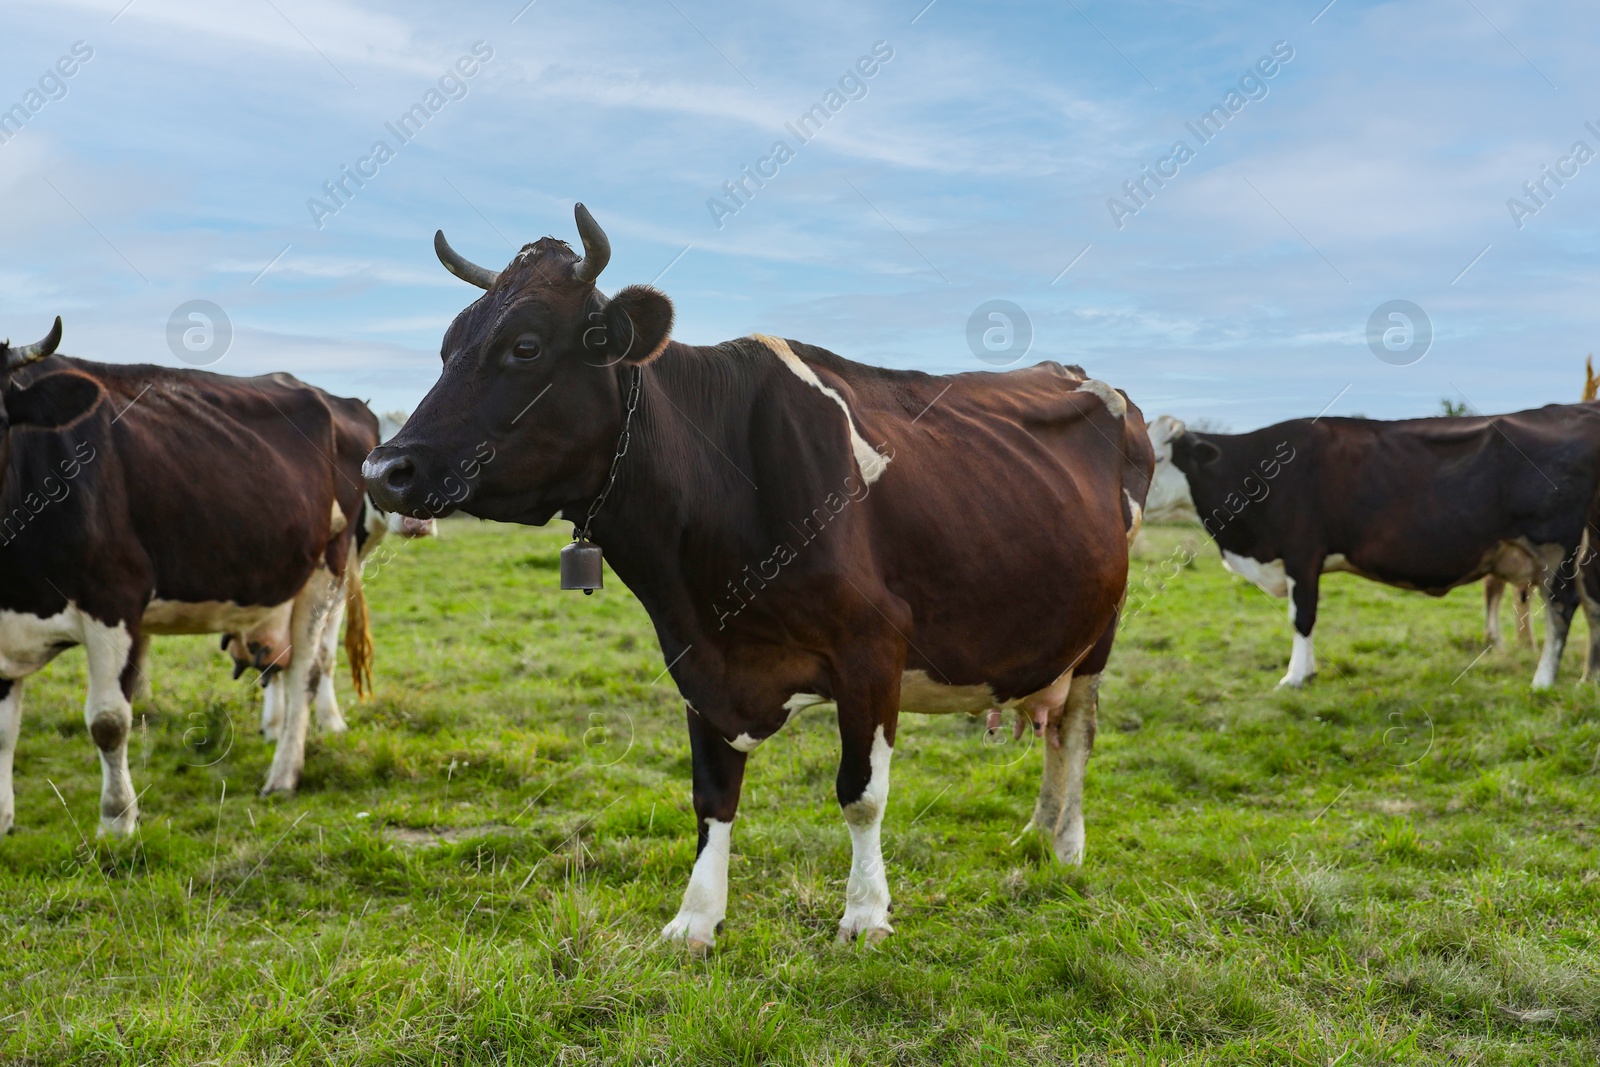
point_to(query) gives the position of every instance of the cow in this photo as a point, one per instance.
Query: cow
(1169, 501)
(801, 529)
(192, 502)
(1423, 504)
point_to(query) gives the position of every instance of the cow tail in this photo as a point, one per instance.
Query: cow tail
(358, 632)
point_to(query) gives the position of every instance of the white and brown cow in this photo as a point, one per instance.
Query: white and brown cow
(183, 502)
(800, 528)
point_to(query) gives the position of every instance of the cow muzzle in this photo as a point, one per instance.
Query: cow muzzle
(394, 481)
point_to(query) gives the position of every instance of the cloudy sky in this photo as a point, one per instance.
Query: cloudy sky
(977, 163)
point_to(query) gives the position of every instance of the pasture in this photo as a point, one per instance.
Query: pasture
(1399, 864)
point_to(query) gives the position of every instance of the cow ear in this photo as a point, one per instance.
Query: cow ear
(53, 401)
(1206, 452)
(638, 323)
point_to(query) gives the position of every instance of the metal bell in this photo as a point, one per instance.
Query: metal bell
(581, 567)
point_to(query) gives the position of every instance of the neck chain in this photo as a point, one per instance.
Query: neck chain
(582, 534)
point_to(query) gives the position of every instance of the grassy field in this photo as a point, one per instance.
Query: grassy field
(1397, 865)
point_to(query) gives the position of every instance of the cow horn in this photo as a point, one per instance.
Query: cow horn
(596, 247)
(22, 355)
(461, 267)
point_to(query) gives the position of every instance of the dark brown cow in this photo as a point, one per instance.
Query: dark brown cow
(801, 529)
(1425, 504)
(182, 502)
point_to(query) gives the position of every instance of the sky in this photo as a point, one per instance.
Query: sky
(984, 159)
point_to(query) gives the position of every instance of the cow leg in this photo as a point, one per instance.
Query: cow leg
(1069, 740)
(1303, 617)
(1493, 589)
(1589, 592)
(10, 730)
(867, 723)
(312, 607)
(113, 656)
(718, 777)
(1561, 604)
(327, 701)
(1522, 604)
(1072, 747)
(272, 706)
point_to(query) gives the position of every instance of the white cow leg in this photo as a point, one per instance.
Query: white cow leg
(1302, 662)
(1303, 617)
(272, 706)
(866, 896)
(705, 899)
(109, 716)
(10, 730)
(312, 607)
(1560, 605)
(329, 718)
(718, 778)
(1071, 746)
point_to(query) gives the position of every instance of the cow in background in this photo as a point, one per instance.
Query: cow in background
(1169, 501)
(196, 503)
(1425, 504)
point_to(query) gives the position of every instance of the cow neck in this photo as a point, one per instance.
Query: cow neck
(659, 493)
(629, 407)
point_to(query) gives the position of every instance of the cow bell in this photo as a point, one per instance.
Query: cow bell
(581, 567)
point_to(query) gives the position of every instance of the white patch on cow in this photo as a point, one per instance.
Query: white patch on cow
(10, 729)
(337, 521)
(801, 701)
(1136, 516)
(866, 894)
(705, 901)
(1108, 396)
(1335, 561)
(924, 696)
(872, 462)
(1268, 577)
(209, 616)
(1289, 582)
(28, 642)
(1302, 662)
(746, 743)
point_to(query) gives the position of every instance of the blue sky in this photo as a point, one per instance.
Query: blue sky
(976, 166)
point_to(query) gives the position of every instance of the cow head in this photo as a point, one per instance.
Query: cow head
(525, 415)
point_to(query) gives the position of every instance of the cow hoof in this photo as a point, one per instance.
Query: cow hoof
(281, 788)
(1069, 844)
(867, 935)
(7, 820)
(335, 726)
(697, 933)
(119, 825)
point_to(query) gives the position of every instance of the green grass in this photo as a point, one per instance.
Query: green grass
(1397, 865)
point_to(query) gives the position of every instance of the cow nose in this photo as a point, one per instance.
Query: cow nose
(390, 474)
(398, 473)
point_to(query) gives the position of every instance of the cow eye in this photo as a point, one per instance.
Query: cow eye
(526, 348)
